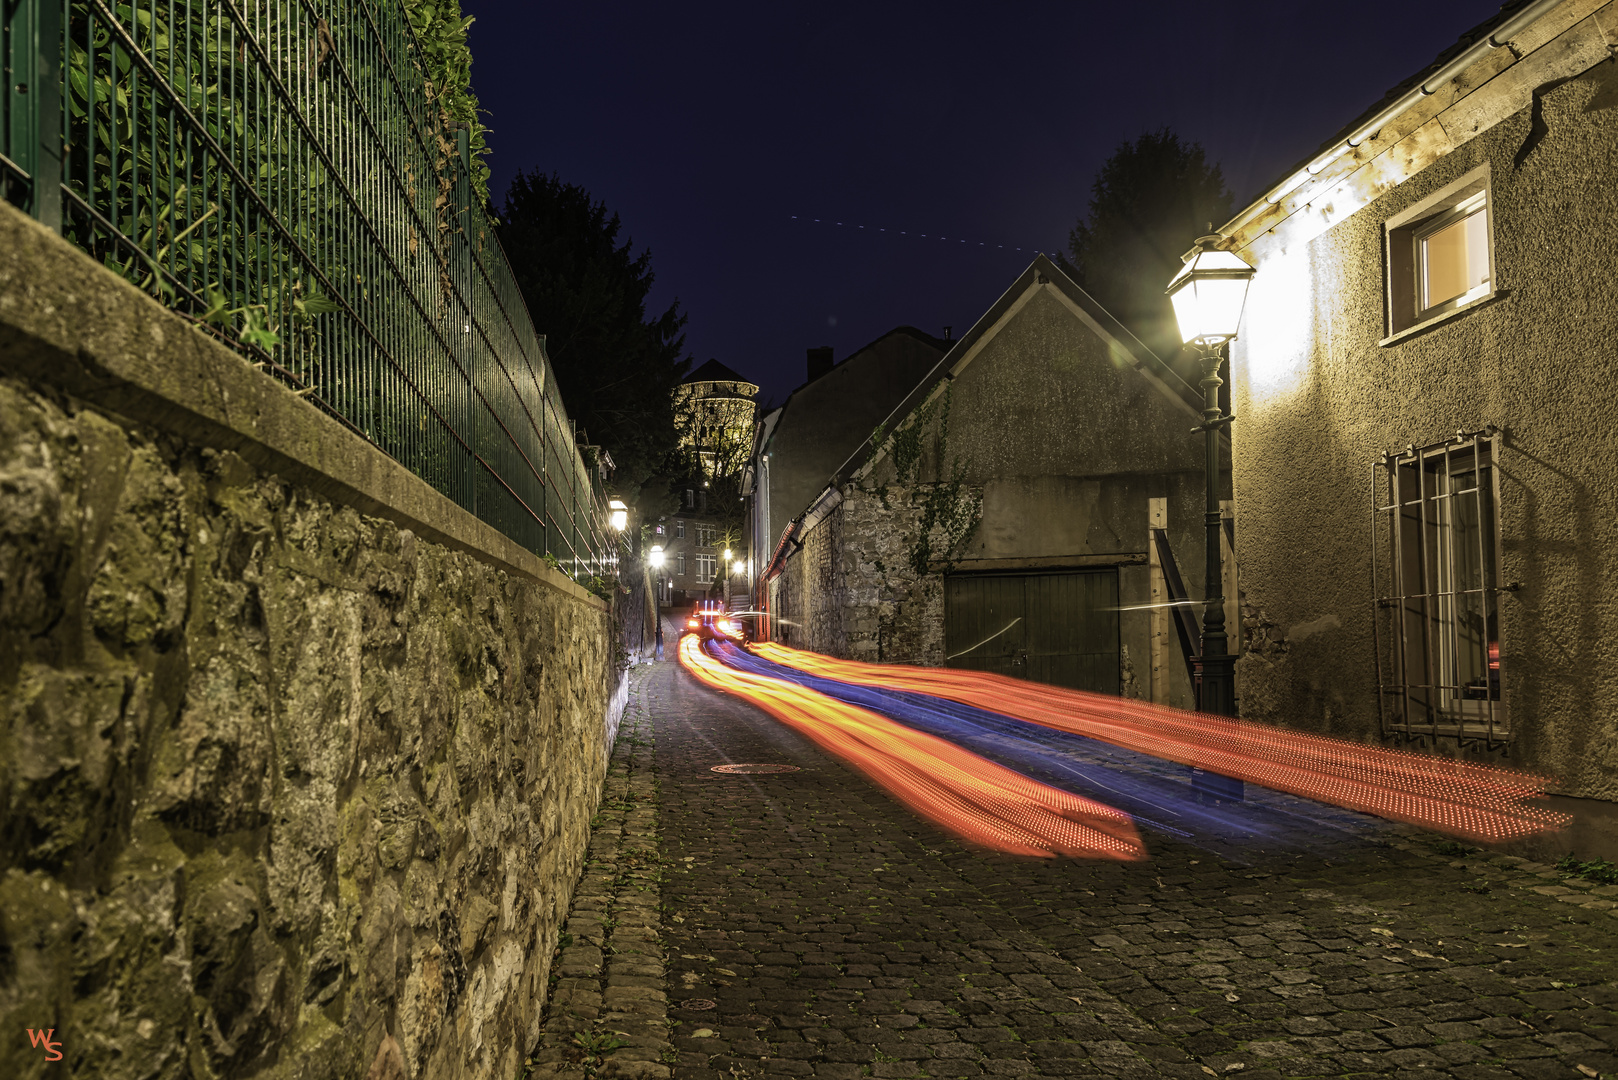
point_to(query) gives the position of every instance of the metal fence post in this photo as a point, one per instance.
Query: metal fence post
(33, 115)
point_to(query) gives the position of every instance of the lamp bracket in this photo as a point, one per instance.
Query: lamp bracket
(1213, 424)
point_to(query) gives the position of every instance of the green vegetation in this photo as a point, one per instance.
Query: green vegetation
(446, 61)
(616, 367)
(1590, 869)
(1149, 201)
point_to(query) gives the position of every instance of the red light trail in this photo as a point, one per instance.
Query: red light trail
(1479, 802)
(967, 794)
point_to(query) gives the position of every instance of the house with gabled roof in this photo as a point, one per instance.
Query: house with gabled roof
(1002, 517)
(1426, 456)
(800, 444)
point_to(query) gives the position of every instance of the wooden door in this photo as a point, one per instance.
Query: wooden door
(1058, 628)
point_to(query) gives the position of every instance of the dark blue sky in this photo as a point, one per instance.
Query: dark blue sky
(720, 132)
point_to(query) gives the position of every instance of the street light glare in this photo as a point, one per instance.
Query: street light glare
(1209, 292)
(655, 557)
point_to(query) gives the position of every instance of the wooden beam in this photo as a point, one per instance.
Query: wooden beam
(1157, 517)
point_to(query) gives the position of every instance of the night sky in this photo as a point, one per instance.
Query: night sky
(721, 133)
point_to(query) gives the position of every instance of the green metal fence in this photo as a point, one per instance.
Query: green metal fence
(277, 171)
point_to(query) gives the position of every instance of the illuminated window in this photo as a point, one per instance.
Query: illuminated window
(1441, 659)
(705, 569)
(1441, 254)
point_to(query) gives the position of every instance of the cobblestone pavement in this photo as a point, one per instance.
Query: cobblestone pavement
(839, 936)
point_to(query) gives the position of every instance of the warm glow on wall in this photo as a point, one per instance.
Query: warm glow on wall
(1277, 337)
(967, 794)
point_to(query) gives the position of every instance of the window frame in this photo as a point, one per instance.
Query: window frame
(709, 564)
(1403, 271)
(1418, 623)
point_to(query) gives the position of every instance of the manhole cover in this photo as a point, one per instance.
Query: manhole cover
(754, 768)
(697, 1004)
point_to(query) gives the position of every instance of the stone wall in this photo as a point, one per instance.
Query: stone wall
(850, 591)
(285, 788)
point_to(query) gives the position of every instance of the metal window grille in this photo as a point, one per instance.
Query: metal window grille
(1436, 550)
(277, 171)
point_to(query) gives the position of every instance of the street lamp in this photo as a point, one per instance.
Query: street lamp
(619, 518)
(1208, 295)
(655, 557)
(727, 579)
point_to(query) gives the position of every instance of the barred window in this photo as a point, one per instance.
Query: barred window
(1438, 626)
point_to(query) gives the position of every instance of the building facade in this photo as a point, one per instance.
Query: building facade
(1426, 468)
(802, 444)
(714, 409)
(1004, 519)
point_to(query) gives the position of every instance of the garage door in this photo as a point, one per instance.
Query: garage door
(1051, 628)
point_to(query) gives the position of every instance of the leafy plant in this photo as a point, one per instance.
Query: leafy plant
(596, 1044)
(1589, 869)
(446, 62)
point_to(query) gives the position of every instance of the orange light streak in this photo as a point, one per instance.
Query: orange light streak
(1479, 802)
(976, 799)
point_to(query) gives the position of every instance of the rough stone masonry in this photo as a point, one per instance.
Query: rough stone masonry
(279, 782)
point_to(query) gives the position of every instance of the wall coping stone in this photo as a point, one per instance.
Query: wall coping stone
(67, 322)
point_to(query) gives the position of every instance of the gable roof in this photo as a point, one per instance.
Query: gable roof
(1042, 273)
(908, 331)
(714, 371)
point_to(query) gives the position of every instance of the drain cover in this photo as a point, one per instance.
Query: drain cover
(697, 1004)
(754, 768)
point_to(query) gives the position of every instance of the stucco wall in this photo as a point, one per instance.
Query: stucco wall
(1320, 399)
(278, 779)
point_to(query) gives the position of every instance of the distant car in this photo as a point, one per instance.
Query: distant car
(710, 620)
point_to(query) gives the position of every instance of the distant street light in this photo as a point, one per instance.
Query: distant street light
(655, 558)
(1208, 294)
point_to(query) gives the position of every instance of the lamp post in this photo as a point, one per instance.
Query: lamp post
(726, 560)
(655, 557)
(1208, 295)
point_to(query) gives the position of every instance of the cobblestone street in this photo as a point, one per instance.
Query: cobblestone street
(807, 925)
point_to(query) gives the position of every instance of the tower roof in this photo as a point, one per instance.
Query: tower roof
(714, 371)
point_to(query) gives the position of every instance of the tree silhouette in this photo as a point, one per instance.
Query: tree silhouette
(616, 368)
(1150, 200)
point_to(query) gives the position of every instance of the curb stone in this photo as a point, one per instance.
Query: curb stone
(1514, 872)
(607, 1016)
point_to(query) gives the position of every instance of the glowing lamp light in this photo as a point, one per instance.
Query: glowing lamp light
(655, 557)
(620, 514)
(1209, 293)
